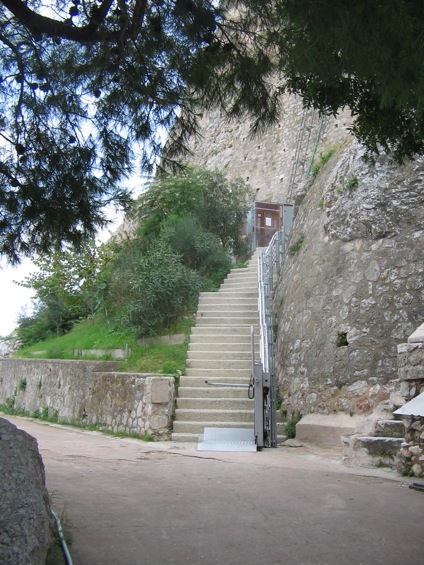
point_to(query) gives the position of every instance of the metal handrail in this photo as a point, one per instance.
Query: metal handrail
(269, 262)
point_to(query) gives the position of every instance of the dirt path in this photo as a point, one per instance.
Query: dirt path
(128, 502)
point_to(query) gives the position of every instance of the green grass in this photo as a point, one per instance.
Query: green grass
(87, 334)
(166, 359)
(101, 334)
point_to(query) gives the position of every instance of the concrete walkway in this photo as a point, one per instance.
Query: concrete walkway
(127, 502)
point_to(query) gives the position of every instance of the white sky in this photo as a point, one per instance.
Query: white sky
(13, 298)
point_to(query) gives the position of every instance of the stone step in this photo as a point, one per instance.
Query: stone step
(377, 446)
(215, 403)
(219, 363)
(210, 392)
(218, 374)
(186, 415)
(194, 355)
(389, 428)
(222, 377)
(370, 451)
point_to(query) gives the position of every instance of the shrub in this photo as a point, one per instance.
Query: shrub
(159, 290)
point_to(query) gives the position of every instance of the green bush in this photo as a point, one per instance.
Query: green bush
(199, 250)
(219, 205)
(159, 291)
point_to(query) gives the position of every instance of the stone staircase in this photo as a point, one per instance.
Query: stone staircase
(380, 441)
(365, 441)
(220, 352)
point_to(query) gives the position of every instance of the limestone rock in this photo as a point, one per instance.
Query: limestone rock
(25, 517)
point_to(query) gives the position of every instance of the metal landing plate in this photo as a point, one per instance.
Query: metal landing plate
(227, 439)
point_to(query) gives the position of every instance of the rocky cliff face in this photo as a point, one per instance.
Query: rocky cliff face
(25, 516)
(353, 290)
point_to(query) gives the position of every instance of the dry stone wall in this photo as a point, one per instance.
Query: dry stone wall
(411, 374)
(90, 392)
(26, 524)
(354, 289)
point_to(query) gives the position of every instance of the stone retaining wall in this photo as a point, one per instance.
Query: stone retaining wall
(90, 392)
(411, 372)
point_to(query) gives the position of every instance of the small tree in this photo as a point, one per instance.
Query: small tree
(69, 285)
(159, 290)
(219, 205)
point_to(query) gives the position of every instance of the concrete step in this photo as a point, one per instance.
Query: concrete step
(218, 374)
(193, 415)
(198, 428)
(232, 321)
(222, 377)
(227, 330)
(241, 293)
(216, 342)
(227, 302)
(218, 296)
(210, 392)
(194, 436)
(243, 289)
(204, 345)
(227, 312)
(215, 403)
(223, 364)
(219, 355)
(325, 430)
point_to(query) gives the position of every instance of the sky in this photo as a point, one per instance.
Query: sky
(13, 298)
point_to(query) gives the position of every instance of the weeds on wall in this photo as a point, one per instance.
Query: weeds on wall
(323, 159)
(8, 408)
(297, 246)
(291, 426)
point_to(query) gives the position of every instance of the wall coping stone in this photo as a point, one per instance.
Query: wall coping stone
(417, 336)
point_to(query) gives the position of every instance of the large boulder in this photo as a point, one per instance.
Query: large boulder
(25, 516)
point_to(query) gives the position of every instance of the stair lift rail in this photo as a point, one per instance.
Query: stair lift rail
(269, 262)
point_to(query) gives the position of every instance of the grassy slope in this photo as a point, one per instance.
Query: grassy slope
(100, 334)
